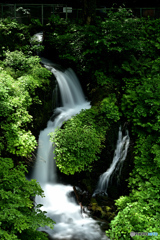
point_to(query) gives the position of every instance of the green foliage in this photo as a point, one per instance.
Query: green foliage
(121, 55)
(77, 144)
(35, 23)
(14, 103)
(18, 61)
(13, 35)
(21, 77)
(80, 141)
(76, 148)
(17, 94)
(18, 64)
(139, 212)
(19, 217)
(109, 108)
(149, 38)
(109, 51)
(141, 105)
(101, 47)
(103, 79)
(118, 58)
(136, 216)
(16, 36)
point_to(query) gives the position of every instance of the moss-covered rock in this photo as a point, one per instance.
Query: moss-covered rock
(102, 209)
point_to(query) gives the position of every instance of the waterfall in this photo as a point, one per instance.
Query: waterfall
(116, 165)
(38, 37)
(63, 209)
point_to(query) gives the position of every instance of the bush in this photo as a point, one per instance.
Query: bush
(80, 141)
(19, 216)
(17, 94)
(13, 35)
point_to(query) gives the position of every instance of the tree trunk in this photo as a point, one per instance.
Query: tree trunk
(89, 11)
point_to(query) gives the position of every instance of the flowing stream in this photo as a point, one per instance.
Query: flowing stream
(58, 203)
(116, 165)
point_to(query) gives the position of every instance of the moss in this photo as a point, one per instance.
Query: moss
(101, 211)
(108, 208)
(93, 200)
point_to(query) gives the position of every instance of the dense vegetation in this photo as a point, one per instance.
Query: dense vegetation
(20, 217)
(118, 60)
(21, 75)
(118, 63)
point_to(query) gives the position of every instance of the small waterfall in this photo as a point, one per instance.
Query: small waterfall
(38, 37)
(116, 165)
(70, 224)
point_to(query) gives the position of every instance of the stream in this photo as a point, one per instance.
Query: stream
(59, 202)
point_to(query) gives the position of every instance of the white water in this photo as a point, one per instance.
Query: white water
(70, 224)
(37, 37)
(116, 165)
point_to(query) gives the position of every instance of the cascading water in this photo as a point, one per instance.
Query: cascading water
(116, 165)
(59, 206)
(37, 37)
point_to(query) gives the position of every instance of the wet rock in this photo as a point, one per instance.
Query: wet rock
(103, 209)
